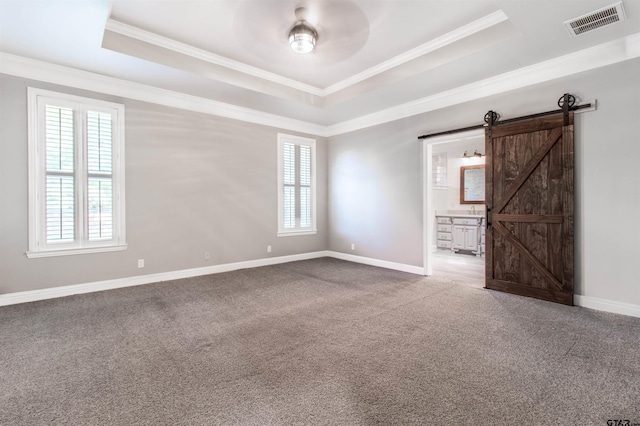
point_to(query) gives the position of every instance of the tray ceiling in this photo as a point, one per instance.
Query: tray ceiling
(371, 55)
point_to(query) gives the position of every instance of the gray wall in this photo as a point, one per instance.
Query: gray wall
(199, 183)
(194, 183)
(375, 195)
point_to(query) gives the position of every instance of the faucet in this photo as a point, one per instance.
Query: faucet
(473, 209)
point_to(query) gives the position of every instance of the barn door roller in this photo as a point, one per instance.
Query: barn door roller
(567, 103)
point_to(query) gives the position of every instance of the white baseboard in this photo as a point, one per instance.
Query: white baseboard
(69, 290)
(418, 270)
(55, 292)
(607, 305)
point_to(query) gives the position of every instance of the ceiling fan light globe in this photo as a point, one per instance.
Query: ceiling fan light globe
(301, 43)
(302, 38)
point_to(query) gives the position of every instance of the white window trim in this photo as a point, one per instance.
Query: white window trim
(297, 140)
(35, 98)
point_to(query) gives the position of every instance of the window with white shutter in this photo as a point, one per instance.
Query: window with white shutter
(76, 175)
(296, 185)
(439, 169)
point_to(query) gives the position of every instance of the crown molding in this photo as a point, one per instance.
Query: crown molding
(203, 55)
(437, 43)
(65, 76)
(619, 50)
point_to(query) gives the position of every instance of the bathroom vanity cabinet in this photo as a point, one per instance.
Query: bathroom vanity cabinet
(460, 232)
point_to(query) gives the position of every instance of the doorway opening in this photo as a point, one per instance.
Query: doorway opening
(454, 218)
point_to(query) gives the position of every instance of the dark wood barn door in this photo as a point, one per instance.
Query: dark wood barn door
(530, 204)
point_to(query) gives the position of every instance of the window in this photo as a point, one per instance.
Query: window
(296, 185)
(439, 168)
(76, 175)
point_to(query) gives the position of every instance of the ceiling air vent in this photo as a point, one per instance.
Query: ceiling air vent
(597, 19)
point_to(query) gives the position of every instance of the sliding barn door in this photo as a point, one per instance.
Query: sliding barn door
(530, 203)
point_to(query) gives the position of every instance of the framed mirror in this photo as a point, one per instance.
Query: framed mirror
(472, 184)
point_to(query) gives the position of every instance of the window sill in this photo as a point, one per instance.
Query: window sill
(72, 252)
(296, 233)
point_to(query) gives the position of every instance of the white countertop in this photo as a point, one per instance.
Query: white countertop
(477, 216)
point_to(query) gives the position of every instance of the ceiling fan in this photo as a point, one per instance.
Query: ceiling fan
(302, 37)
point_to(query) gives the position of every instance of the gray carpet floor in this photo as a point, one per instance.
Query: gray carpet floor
(315, 342)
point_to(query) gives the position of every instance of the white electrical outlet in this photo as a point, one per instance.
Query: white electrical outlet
(140, 263)
(207, 255)
(268, 249)
(353, 246)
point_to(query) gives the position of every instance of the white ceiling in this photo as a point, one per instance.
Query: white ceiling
(371, 55)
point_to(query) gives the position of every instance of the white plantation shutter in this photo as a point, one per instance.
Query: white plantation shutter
(100, 208)
(305, 186)
(60, 175)
(289, 185)
(296, 183)
(76, 181)
(439, 169)
(100, 180)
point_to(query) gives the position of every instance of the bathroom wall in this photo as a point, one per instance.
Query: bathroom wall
(448, 198)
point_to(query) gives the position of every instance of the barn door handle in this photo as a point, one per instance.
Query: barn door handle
(488, 217)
